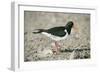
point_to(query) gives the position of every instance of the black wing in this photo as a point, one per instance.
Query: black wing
(57, 31)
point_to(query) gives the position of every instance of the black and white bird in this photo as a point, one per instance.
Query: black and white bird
(57, 33)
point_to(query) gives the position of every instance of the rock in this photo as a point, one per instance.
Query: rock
(45, 53)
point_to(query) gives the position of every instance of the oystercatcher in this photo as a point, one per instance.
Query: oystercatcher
(57, 33)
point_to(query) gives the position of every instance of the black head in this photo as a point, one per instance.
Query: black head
(69, 26)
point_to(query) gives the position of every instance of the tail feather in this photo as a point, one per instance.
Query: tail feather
(38, 31)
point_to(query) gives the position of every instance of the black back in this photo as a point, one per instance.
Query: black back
(57, 31)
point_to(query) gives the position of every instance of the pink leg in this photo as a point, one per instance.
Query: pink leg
(56, 47)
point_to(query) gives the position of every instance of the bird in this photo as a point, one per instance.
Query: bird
(57, 33)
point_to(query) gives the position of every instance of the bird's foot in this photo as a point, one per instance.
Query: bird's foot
(56, 52)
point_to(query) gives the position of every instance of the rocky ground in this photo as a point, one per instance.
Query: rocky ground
(40, 49)
(67, 55)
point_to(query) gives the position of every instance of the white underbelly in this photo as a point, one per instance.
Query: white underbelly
(56, 38)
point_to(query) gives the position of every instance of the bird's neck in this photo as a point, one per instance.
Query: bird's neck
(68, 30)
